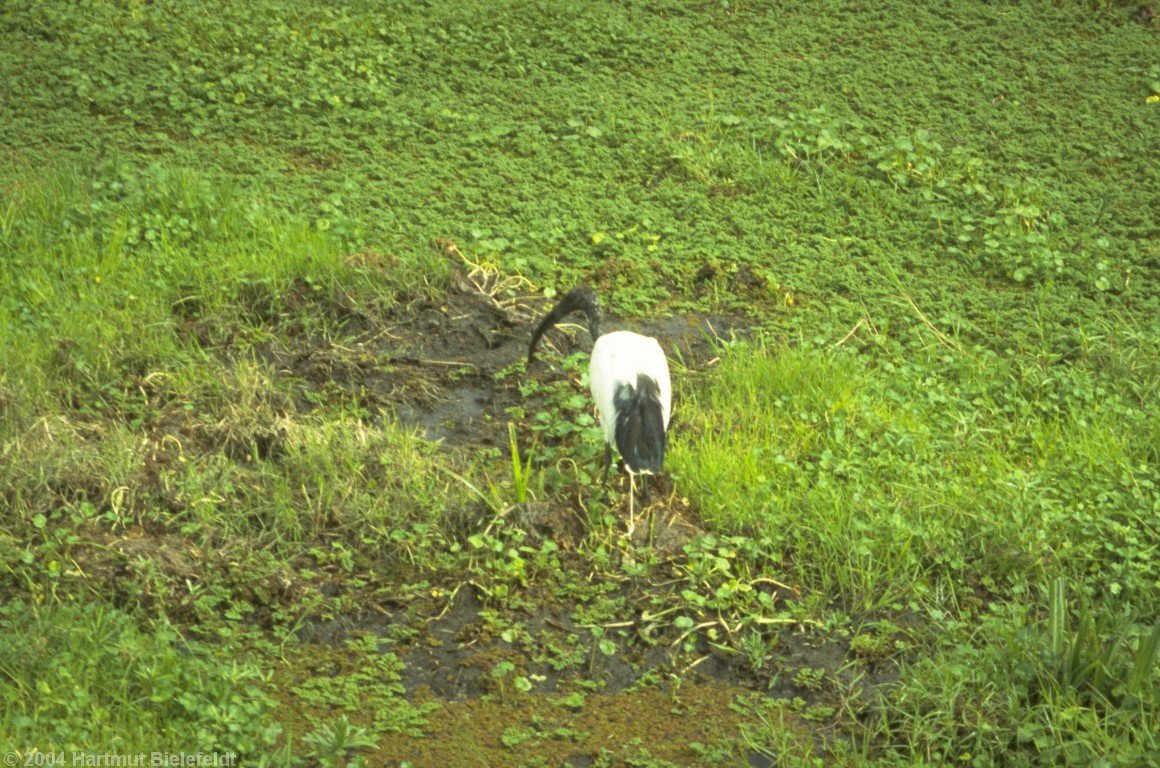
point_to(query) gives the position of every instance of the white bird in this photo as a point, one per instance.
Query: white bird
(629, 378)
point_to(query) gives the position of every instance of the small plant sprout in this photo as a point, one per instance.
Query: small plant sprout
(505, 669)
(520, 472)
(603, 644)
(629, 377)
(331, 743)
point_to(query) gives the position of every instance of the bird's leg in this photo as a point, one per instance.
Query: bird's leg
(607, 463)
(631, 509)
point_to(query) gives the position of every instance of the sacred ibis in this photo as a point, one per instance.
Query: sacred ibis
(629, 378)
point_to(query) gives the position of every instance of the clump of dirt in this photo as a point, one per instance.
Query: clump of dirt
(434, 363)
(453, 660)
(656, 515)
(560, 521)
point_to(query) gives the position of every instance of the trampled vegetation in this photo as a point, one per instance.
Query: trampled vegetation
(276, 480)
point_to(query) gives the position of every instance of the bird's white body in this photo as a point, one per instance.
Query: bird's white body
(619, 358)
(629, 377)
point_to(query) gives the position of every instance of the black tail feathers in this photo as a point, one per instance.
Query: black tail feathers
(581, 298)
(640, 425)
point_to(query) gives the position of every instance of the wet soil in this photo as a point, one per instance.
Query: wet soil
(442, 365)
(451, 368)
(646, 699)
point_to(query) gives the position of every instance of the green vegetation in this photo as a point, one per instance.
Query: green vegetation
(275, 479)
(83, 675)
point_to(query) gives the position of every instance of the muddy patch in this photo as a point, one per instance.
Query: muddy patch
(588, 664)
(551, 682)
(602, 638)
(450, 366)
(449, 417)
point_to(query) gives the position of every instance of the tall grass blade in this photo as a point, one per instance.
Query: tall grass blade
(1147, 655)
(1057, 622)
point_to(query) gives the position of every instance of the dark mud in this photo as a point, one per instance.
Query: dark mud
(451, 367)
(457, 645)
(646, 699)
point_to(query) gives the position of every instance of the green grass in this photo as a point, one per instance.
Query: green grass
(75, 676)
(916, 487)
(922, 478)
(940, 430)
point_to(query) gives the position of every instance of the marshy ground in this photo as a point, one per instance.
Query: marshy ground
(276, 479)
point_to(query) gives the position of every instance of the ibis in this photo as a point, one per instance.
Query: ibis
(629, 377)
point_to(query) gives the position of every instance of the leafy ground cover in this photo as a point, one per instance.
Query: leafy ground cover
(275, 479)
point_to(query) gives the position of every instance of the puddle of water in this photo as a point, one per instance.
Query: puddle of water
(758, 760)
(452, 416)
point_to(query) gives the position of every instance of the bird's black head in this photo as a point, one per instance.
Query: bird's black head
(583, 299)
